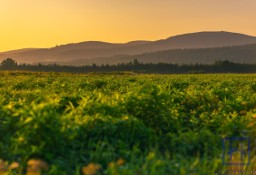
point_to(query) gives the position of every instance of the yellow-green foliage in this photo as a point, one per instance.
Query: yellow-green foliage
(123, 123)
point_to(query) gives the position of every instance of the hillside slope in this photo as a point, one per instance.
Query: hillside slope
(85, 51)
(238, 54)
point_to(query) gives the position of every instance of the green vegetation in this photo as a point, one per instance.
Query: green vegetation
(135, 66)
(9, 63)
(123, 123)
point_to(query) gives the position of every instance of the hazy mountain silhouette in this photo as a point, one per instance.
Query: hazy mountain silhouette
(97, 51)
(18, 51)
(203, 40)
(237, 54)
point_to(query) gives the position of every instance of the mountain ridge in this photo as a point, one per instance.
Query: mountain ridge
(237, 54)
(98, 49)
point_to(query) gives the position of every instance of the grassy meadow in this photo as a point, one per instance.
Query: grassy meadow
(123, 123)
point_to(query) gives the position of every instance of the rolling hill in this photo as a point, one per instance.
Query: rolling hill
(237, 54)
(186, 48)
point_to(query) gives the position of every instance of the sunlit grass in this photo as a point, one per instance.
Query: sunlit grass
(54, 123)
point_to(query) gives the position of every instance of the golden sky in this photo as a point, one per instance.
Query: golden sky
(46, 23)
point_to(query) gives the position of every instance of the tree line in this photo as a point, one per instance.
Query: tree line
(135, 66)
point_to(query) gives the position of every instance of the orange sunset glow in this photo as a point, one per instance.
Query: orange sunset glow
(37, 23)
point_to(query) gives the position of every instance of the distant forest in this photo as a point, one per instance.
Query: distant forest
(135, 66)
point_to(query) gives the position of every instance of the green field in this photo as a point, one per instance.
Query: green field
(123, 123)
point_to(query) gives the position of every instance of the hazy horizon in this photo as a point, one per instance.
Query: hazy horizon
(125, 42)
(42, 24)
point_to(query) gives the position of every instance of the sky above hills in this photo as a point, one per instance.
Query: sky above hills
(46, 23)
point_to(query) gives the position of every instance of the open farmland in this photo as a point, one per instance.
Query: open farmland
(123, 123)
